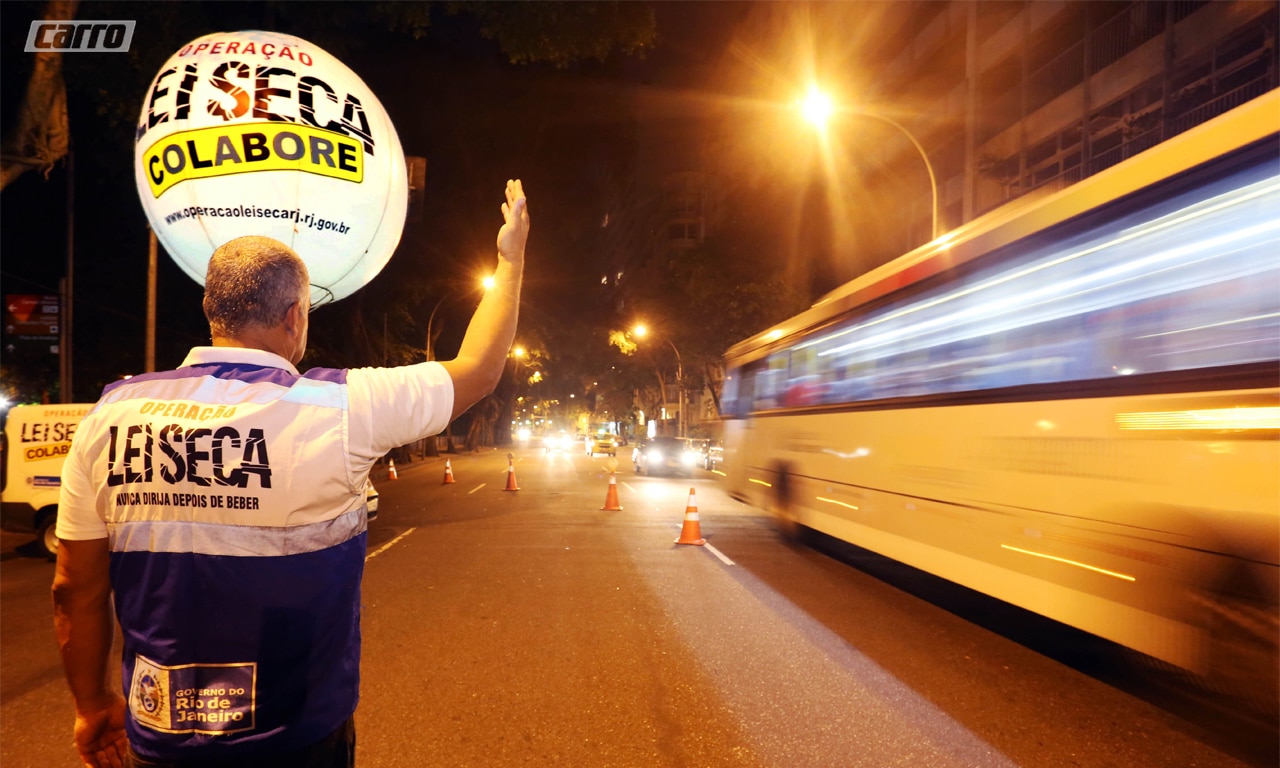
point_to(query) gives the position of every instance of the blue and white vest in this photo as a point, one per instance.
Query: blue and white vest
(236, 522)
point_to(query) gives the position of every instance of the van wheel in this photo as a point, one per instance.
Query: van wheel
(46, 535)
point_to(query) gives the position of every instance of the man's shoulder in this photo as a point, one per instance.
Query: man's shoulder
(329, 375)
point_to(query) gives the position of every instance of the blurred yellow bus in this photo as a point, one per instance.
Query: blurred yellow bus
(1070, 404)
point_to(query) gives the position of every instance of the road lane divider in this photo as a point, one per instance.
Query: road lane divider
(718, 554)
(388, 545)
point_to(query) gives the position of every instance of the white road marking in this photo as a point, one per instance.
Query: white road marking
(388, 545)
(719, 554)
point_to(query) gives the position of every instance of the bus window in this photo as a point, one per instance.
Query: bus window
(729, 394)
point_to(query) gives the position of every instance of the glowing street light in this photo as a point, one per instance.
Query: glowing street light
(518, 354)
(485, 284)
(818, 108)
(640, 331)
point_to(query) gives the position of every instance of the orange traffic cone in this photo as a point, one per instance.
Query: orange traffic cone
(391, 470)
(448, 473)
(611, 502)
(691, 531)
(511, 478)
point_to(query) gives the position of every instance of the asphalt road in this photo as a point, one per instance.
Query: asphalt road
(534, 628)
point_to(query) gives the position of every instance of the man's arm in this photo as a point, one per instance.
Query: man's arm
(84, 624)
(483, 355)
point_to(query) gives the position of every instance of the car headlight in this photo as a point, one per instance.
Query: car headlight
(689, 457)
(654, 455)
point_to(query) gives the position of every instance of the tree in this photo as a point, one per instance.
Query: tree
(40, 136)
(564, 32)
(705, 299)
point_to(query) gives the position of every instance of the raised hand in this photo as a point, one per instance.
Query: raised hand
(515, 226)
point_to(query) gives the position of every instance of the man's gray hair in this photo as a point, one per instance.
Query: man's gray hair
(252, 281)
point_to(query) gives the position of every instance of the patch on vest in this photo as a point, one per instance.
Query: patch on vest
(200, 698)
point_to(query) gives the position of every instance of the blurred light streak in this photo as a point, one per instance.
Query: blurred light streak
(858, 453)
(1094, 568)
(838, 503)
(1222, 243)
(760, 482)
(1217, 419)
(1223, 324)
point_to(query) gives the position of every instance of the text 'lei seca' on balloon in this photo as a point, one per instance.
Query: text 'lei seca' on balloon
(261, 133)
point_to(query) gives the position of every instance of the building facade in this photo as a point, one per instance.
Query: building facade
(1027, 96)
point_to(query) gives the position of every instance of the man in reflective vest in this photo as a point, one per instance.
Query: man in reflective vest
(222, 504)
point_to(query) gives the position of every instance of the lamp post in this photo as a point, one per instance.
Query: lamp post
(506, 408)
(518, 353)
(817, 107)
(485, 283)
(641, 331)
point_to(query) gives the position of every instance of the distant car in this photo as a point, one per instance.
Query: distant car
(371, 500)
(699, 447)
(664, 454)
(715, 456)
(710, 452)
(606, 444)
(555, 443)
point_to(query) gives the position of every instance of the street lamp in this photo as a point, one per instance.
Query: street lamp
(817, 107)
(518, 353)
(486, 283)
(641, 331)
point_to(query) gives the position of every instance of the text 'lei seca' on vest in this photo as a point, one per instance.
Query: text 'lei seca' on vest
(194, 455)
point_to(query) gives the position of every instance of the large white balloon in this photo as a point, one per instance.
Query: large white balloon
(260, 133)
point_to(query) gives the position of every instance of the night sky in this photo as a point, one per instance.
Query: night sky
(454, 99)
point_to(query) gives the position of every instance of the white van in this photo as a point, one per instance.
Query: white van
(36, 441)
